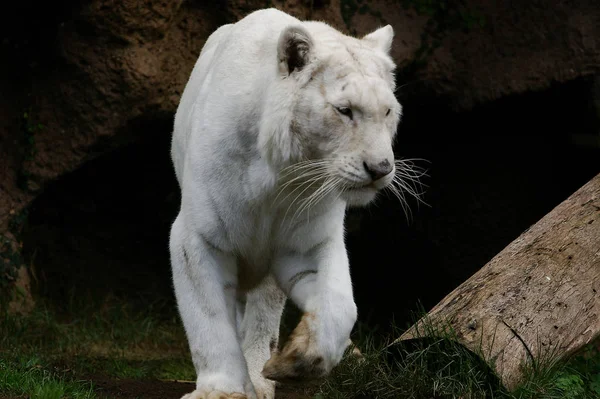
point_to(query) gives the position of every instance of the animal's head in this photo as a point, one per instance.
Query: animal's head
(345, 114)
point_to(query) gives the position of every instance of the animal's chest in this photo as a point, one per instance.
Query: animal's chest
(258, 241)
(267, 232)
(259, 238)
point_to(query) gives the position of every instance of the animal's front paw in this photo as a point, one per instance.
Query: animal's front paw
(218, 386)
(265, 389)
(299, 360)
(203, 394)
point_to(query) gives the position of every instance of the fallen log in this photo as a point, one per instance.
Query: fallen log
(537, 298)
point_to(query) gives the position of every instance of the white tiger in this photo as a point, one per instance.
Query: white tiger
(282, 125)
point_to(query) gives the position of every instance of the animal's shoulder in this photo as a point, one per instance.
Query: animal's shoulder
(261, 24)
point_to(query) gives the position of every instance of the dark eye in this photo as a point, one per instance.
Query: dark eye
(345, 111)
(388, 112)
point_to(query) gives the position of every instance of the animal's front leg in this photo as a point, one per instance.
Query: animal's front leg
(204, 281)
(319, 283)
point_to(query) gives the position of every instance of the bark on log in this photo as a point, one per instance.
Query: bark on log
(539, 296)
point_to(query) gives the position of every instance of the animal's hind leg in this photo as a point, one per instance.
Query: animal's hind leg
(260, 332)
(205, 283)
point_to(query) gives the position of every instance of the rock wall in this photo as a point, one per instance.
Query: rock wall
(86, 77)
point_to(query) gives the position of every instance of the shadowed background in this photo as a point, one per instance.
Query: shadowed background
(503, 102)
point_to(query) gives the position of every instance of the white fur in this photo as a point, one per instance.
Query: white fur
(255, 213)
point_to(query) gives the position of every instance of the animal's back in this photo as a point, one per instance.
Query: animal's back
(225, 86)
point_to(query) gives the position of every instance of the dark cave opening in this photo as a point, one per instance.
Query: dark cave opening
(103, 229)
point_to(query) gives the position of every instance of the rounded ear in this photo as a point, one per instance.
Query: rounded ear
(381, 39)
(293, 49)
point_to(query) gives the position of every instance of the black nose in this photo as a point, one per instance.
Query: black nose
(379, 170)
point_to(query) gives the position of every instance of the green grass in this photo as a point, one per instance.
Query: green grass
(167, 368)
(107, 327)
(54, 353)
(438, 368)
(110, 339)
(27, 377)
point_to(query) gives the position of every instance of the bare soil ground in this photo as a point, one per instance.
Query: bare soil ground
(155, 389)
(127, 388)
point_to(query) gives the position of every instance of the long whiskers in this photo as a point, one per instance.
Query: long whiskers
(301, 166)
(300, 177)
(308, 182)
(297, 174)
(330, 184)
(407, 181)
(300, 181)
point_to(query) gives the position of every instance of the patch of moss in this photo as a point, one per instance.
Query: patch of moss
(11, 258)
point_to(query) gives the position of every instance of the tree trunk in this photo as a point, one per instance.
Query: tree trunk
(537, 298)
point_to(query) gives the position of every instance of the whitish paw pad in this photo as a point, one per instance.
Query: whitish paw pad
(265, 389)
(213, 395)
